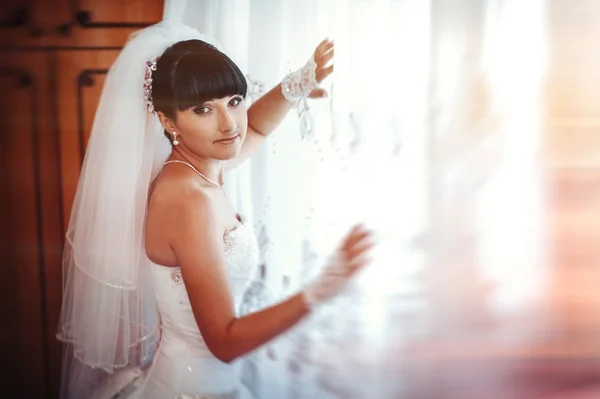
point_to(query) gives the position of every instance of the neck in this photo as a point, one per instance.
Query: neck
(210, 168)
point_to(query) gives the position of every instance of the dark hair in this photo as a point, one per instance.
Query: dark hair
(191, 72)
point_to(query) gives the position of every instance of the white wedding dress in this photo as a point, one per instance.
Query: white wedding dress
(182, 366)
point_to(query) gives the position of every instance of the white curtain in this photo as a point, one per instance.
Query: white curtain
(431, 137)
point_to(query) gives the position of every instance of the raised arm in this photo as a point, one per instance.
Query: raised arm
(198, 245)
(269, 110)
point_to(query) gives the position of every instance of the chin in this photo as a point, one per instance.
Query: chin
(230, 150)
(230, 155)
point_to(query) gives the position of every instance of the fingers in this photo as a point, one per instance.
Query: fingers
(318, 93)
(323, 55)
(323, 73)
(360, 253)
(357, 264)
(358, 243)
(356, 247)
(357, 233)
(322, 48)
(361, 247)
(326, 57)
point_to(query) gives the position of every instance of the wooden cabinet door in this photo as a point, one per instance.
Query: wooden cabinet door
(33, 228)
(55, 57)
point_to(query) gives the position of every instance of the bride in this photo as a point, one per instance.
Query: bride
(156, 259)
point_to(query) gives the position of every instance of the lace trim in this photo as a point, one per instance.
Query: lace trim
(298, 85)
(120, 287)
(105, 366)
(229, 239)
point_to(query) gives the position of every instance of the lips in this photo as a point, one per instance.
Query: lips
(229, 140)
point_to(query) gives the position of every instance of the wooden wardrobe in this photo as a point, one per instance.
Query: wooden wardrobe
(55, 54)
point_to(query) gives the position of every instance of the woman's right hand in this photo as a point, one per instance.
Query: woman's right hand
(347, 260)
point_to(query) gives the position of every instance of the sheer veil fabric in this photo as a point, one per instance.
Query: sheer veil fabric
(109, 320)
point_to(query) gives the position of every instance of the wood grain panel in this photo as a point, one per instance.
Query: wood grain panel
(27, 267)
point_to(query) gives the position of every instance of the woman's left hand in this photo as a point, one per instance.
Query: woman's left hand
(323, 57)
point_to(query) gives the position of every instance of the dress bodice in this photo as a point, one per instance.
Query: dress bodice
(184, 365)
(241, 256)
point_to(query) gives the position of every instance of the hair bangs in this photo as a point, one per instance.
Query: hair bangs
(203, 77)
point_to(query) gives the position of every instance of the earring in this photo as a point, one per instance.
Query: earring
(175, 142)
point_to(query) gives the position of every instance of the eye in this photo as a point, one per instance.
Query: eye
(235, 101)
(201, 110)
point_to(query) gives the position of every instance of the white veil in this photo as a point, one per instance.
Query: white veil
(109, 320)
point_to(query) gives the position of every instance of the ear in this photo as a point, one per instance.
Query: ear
(167, 122)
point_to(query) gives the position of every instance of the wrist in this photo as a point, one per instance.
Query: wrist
(299, 84)
(328, 283)
(309, 301)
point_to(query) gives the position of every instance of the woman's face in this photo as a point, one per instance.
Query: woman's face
(214, 130)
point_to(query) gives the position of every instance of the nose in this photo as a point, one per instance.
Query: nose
(226, 122)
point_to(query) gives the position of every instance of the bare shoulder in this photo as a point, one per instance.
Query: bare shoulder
(178, 211)
(181, 198)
